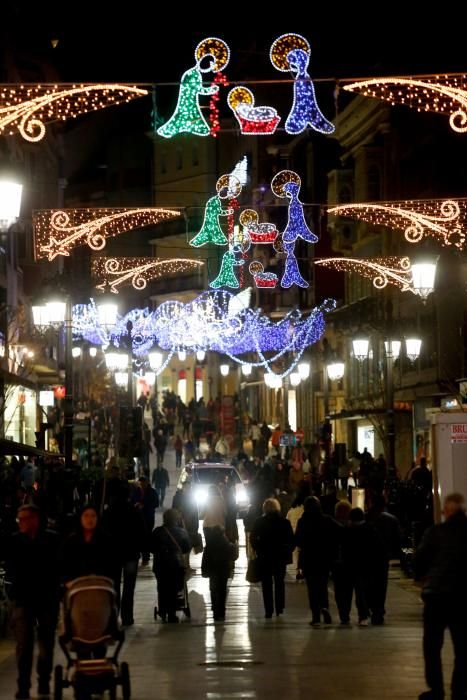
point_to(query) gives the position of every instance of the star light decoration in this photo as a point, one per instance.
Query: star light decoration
(442, 219)
(58, 231)
(27, 108)
(291, 52)
(441, 93)
(122, 271)
(383, 271)
(217, 321)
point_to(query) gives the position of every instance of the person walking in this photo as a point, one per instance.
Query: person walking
(441, 564)
(124, 523)
(160, 482)
(317, 538)
(215, 512)
(31, 558)
(146, 500)
(88, 550)
(160, 443)
(272, 539)
(217, 565)
(178, 447)
(169, 544)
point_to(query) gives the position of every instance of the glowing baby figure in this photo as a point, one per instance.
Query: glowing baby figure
(291, 52)
(187, 116)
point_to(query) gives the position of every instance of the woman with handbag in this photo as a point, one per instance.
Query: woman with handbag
(272, 539)
(169, 544)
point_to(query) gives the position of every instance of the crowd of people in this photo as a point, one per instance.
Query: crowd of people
(300, 515)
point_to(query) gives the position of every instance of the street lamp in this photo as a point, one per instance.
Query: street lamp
(246, 370)
(200, 355)
(107, 312)
(224, 370)
(10, 203)
(156, 359)
(116, 359)
(182, 355)
(423, 277)
(360, 346)
(304, 369)
(412, 348)
(335, 370)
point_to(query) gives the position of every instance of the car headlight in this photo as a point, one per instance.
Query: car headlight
(201, 495)
(241, 495)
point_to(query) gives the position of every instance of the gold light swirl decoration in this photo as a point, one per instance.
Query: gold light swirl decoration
(228, 187)
(27, 108)
(383, 271)
(217, 50)
(441, 93)
(57, 231)
(443, 219)
(119, 272)
(281, 48)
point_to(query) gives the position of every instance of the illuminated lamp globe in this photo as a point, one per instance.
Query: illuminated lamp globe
(412, 348)
(116, 359)
(56, 310)
(107, 312)
(224, 369)
(336, 371)
(75, 352)
(200, 355)
(121, 379)
(246, 370)
(304, 369)
(295, 378)
(423, 277)
(360, 346)
(10, 203)
(182, 355)
(40, 316)
(392, 348)
(156, 359)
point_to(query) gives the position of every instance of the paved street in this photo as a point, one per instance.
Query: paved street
(248, 656)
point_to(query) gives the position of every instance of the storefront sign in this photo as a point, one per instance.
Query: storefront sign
(459, 432)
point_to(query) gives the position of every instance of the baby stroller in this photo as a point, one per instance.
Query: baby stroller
(90, 630)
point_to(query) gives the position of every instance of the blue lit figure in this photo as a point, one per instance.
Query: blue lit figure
(292, 274)
(226, 276)
(296, 224)
(305, 111)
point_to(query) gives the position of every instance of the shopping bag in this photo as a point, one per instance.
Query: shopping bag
(253, 573)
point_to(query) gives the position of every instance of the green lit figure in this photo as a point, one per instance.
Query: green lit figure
(187, 115)
(211, 231)
(211, 54)
(226, 276)
(227, 187)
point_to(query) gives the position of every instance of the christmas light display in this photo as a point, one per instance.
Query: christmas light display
(256, 232)
(291, 52)
(443, 219)
(226, 276)
(263, 280)
(253, 121)
(219, 79)
(227, 187)
(441, 94)
(287, 184)
(382, 271)
(27, 108)
(57, 232)
(187, 116)
(241, 171)
(119, 272)
(217, 321)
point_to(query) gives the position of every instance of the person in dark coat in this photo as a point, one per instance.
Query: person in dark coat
(361, 548)
(160, 482)
(31, 557)
(168, 544)
(185, 502)
(317, 538)
(126, 527)
(441, 563)
(146, 501)
(272, 539)
(89, 551)
(217, 565)
(388, 529)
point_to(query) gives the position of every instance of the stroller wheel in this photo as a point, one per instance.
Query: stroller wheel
(125, 680)
(58, 682)
(113, 693)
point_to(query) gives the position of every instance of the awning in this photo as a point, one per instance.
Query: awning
(19, 449)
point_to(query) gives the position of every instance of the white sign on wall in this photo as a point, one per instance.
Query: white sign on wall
(459, 432)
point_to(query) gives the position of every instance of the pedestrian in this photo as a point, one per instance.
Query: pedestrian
(178, 447)
(124, 523)
(160, 443)
(441, 564)
(388, 529)
(217, 565)
(31, 558)
(215, 512)
(169, 544)
(317, 538)
(255, 434)
(146, 500)
(360, 548)
(272, 539)
(222, 447)
(88, 550)
(28, 475)
(160, 482)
